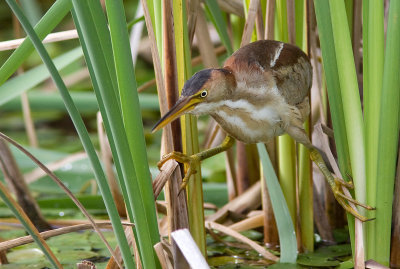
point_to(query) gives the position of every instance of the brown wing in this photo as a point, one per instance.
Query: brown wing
(288, 65)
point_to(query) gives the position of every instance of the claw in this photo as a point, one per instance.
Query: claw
(336, 184)
(176, 155)
(349, 209)
(191, 161)
(344, 200)
(185, 180)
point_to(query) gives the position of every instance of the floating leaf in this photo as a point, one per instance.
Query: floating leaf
(316, 260)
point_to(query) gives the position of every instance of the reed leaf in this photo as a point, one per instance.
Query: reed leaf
(328, 50)
(48, 22)
(34, 13)
(86, 102)
(80, 127)
(189, 129)
(214, 13)
(101, 108)
(105, 122)
(22, 83)
(131, 109)
(95, 31)
(287, 235)
(388, 136)
(374, 56)
(350, 97)
(323, 16)
(352, 114)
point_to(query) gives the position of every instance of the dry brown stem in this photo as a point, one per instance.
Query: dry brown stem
(241, 238)
(16, 183)
(246, 202)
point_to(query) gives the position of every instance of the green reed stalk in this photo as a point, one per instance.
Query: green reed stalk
(306, 213)
(101, 108)
(323, 15)
(287, 236)
(350, 98)
(301, 24)
(286, 145)
(281, 16)
(351, 101)
(388, 136)
(189, 128)
(373, 64)
(157, 24)
(97, 41)
(349, 4)
(130, 106)
(82, 132)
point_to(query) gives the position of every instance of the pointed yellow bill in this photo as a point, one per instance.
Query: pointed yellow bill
(183, 105)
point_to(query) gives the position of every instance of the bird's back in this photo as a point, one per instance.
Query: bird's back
(272, 63)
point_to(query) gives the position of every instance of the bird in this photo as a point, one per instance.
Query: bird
(260, 93)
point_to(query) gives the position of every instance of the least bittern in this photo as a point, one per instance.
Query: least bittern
(260, 93)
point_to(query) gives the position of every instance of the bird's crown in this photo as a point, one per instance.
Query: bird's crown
(196, 82)
(199, 80)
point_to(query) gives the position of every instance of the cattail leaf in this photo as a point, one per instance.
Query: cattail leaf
(287, 236)
(215, 15)
(19, 84)
(388, 136)
(48, 22)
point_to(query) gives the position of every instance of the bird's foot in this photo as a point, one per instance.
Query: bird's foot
(336, 185)
(344, 200)
(192, 162)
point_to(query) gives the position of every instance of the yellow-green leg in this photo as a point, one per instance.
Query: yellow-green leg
(336, 184)
(195, 159)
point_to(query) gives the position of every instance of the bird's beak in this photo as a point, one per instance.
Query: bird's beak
(183, 105)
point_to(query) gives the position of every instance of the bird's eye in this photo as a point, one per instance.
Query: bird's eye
(203, 93)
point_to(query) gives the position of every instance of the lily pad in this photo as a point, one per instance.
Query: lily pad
(39, 265)
(285, 266)
(26, 256)
(72, 256)
(316, 260)
(325, 256)
(335, 250)
(224, 260)
(346, 265)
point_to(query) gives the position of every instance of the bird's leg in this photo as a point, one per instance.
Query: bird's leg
(195, 159)
(336, 183)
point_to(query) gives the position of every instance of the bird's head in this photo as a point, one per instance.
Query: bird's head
(200, 94)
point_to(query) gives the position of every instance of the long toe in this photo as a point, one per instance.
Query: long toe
(176, 155)
(344, 201)
(353, 201)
